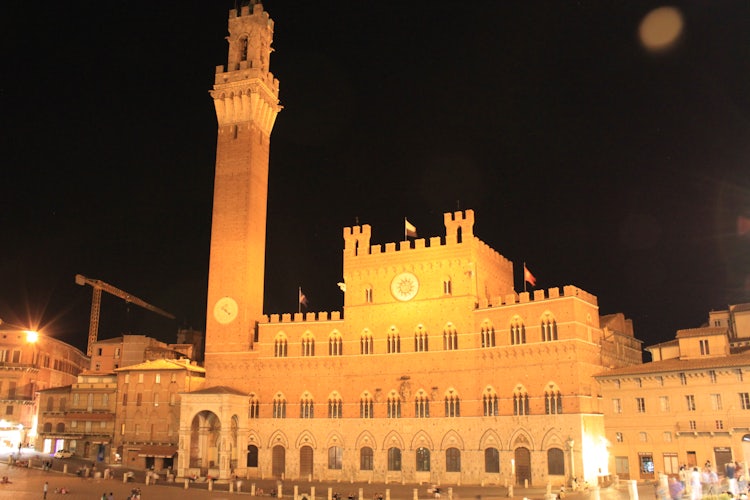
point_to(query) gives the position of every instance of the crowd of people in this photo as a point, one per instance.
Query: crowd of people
(698, 482)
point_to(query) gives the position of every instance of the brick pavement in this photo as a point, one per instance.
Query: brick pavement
(27, 483)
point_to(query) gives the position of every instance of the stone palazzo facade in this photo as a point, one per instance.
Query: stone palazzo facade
(437, 370)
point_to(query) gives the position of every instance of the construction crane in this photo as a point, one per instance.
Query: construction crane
(96, 305)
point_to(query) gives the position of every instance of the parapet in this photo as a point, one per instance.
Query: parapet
(308, 317)
(539, 296)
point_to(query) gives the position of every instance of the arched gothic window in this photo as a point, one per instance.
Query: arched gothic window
(552, 402)
(520, 401)
(308, 344)
(279, 406)
(452, 404)
(421, 405)
(280, 346)
(488, 335)
(306, 407)
(549, 328)
(335, 344)
(489, 402)
(450, 338)
(366, 406)
(335, 406)
(365, 343)
(394, 405)
(420, 339)
(253, 407)
(394, 341)
(517, 331)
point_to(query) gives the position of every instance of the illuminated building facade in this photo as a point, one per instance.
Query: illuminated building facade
(79, 417)
(148, 410)
(29, 364)
(439, 371)
(689, 405)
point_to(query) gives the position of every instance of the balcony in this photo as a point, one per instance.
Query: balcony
(728, 424)
(8, 366)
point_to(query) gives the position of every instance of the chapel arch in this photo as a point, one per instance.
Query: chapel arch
(205, 444)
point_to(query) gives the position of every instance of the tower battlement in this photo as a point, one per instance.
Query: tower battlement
(459, 228)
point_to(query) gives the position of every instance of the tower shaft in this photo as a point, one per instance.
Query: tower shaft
(245, 95)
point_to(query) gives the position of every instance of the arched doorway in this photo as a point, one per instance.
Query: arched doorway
(305, 462)
(523, 465)
(278, 461)
(205, 432)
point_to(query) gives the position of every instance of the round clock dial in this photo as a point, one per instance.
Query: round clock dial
(404, 286)
(225, 310)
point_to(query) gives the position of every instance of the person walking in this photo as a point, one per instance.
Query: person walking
(696, 488)
(46, 487)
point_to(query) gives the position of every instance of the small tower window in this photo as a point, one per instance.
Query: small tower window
(243, 48)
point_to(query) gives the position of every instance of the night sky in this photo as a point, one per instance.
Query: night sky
(601, 164)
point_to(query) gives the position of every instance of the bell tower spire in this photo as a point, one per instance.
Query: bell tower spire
(245, 95)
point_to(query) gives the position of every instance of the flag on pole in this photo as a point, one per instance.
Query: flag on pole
(409, 229)
(302, 298)
(528, 277)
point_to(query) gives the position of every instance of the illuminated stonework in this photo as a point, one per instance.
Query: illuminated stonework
(438, 372)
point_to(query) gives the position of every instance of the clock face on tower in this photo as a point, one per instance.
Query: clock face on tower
(225, 310)
(404, 286)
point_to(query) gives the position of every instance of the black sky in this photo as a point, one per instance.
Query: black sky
(600, 164)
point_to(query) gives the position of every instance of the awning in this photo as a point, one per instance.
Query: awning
(157, 451)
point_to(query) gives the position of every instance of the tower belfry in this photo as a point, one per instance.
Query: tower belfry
(245, 95)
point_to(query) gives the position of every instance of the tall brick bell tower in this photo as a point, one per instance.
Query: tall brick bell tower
(246, 99)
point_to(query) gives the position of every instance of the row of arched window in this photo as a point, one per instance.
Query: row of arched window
(423, 459)
(553, 404)
(421, 339)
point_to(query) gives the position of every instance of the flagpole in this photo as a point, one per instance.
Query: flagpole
(406, 234)
(524, 276)
(299, 302)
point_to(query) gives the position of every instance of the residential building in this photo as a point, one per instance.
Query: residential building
(129, 349)
(29, 362)
(688, 406)
(80, 417)
(148, 410)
